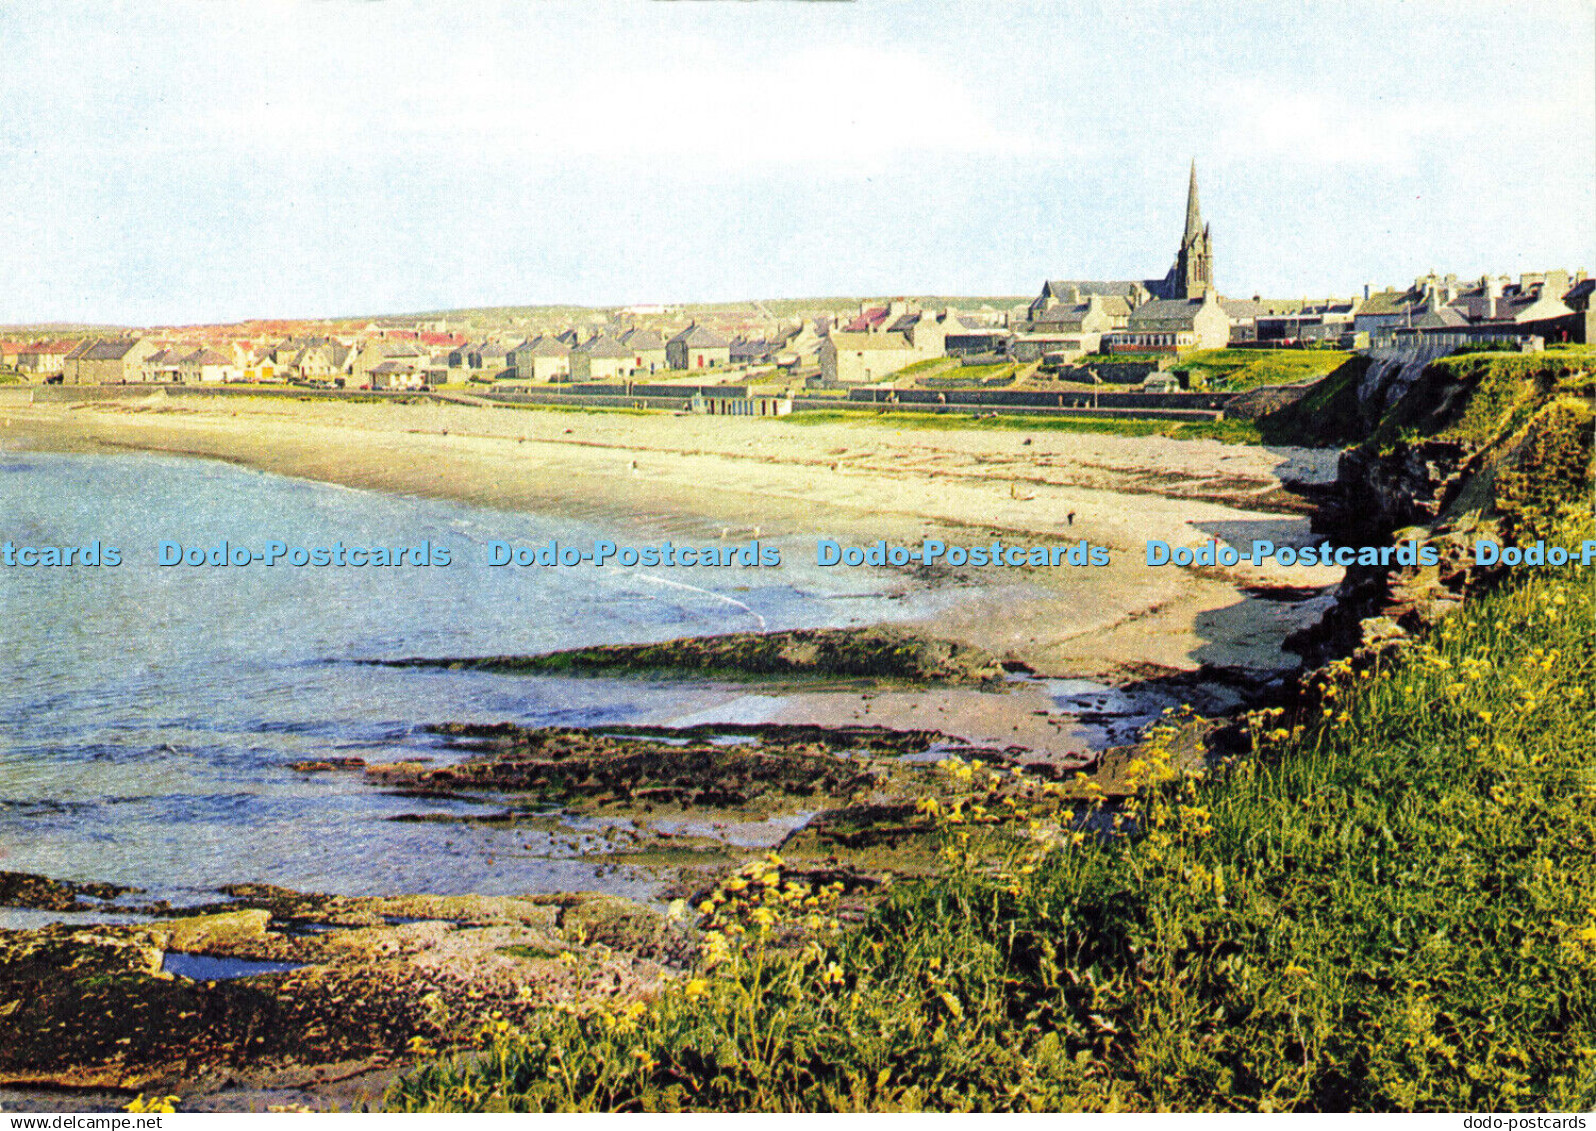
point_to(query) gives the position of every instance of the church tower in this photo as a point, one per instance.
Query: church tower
(1193, 273)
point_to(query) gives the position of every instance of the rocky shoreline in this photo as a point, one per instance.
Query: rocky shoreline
(266, 993)
(271, 997)
(269, 990)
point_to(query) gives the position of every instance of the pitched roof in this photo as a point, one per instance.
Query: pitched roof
(548, 347)
(47, 348)
(1441, 317)
(1060, 288)
(643, 339)
(867, 320)
(698, 337)
(1165, 314)
(1389, 303)
(336, 354)
(113, 350)
(603, 346)
(206, 357)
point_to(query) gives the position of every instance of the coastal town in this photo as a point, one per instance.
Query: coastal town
(1054, 352)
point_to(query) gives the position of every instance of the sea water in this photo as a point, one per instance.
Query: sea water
(149, 715)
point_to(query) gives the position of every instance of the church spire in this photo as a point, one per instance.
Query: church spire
(1194, 215)
(1193, 273)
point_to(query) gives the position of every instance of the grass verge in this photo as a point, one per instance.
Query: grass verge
(1226, 431)
(1241, 369)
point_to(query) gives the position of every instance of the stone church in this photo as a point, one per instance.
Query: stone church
(1193, 272)
(1179, 312)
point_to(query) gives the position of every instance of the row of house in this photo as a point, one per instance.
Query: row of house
(389, 358)
(616, 353)
(1076, 317)
(1553, 305)
(883, 340)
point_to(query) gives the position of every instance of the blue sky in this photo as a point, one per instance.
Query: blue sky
(179, 163)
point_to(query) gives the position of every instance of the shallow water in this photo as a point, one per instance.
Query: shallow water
(148, 715)
(216, 968)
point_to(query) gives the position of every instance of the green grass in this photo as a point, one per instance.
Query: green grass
(1473, 398)
(1247, 369)
(519, 950)
(584, 409)
(1327, 417)
(972, 374)
(1149, 358)
(1226, 431)
(1391, 905)
(928, 364)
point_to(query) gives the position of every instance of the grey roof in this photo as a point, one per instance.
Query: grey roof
(603, 346)
(1165, 314)
(1440, 318)
(751, 348)
(1390, 302)
(643, 339)
(699, 337)
(206, 357)
(114, 350)
(548, 347)
(1062, 313)
(1060, 288)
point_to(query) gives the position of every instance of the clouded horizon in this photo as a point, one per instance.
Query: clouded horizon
(207, 162)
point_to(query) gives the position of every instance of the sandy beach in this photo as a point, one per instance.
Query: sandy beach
(707, 477)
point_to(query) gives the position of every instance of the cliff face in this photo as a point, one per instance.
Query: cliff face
(1474, 446)
(1378, 492)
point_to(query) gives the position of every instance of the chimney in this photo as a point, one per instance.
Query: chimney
(1493, 297)
(1365, 292)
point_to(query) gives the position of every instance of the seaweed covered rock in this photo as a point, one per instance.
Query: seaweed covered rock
(881, 652)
